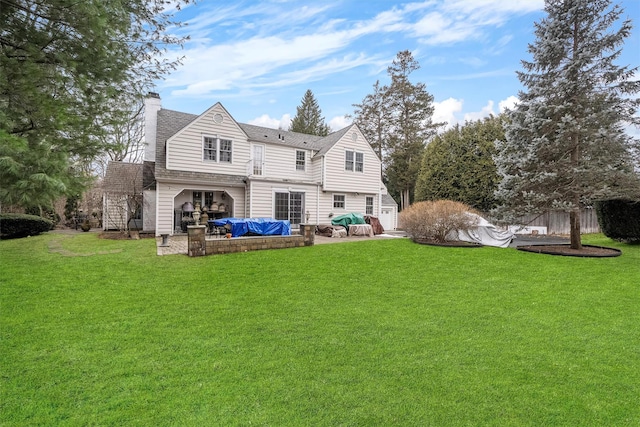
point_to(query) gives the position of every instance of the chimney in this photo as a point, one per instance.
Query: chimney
(152, 104)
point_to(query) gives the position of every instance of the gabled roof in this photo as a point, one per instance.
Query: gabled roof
(123, 178)
(331, 140)
(171, 122)
(387, 200)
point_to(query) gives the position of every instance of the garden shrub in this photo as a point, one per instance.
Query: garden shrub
(434, 220)
(13, 226)
(619, 219)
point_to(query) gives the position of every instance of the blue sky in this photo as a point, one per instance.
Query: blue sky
(259, 57)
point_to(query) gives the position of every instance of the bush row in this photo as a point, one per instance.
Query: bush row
(13, 226)
(619, 219)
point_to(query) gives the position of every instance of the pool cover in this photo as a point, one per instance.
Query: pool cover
(260, 226)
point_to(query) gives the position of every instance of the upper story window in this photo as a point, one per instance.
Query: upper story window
(353, 161)
(258, 159)
(217, 149)
(301, 160)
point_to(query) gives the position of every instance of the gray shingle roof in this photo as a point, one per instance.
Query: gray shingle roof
(387, 200)
(124, 178)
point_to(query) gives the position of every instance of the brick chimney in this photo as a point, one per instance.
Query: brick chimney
(152, 104)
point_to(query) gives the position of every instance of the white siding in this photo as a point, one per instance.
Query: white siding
(185, 149)
(262, 197)
(280, 164)
(149, 210)
(353, 204)
(115, 214)
(338, 179)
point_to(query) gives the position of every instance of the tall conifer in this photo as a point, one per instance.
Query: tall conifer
(566, 143)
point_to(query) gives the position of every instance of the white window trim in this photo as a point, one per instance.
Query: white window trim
(264, 158)
(217, 149)
(304, 169)
(333, 201)
(373, 204)
(355, 156)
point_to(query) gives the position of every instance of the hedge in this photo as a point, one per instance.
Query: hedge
(619, 219)
(14, 226)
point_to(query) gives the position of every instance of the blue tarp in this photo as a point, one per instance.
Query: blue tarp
(348, 219)
(262, 226)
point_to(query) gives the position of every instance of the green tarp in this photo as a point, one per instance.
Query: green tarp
(347, 219)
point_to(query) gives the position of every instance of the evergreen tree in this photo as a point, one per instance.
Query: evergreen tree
(566, 144)
(411, 109)
(373, 118)
(458, 165)
(62, 62)
(308, 118)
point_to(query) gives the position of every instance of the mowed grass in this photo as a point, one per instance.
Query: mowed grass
(387, 332)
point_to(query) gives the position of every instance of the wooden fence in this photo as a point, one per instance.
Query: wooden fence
(558, 222)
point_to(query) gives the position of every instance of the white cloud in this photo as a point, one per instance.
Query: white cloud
(508, 103)
(271, 44)
(445, 111)
(269, 122)
(339, 122)
(486, 111)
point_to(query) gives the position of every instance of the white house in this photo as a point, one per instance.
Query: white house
(250, 171)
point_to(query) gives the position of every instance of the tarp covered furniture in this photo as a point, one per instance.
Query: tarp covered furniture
(256, 226)
(360, 230)
(484, 233)
(374, 222)
(348, 219)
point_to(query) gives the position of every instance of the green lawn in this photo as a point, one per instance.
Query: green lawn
(384, 332)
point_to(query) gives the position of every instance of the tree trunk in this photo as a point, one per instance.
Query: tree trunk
(574, 224)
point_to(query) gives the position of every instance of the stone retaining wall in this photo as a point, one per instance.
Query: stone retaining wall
(199, 245)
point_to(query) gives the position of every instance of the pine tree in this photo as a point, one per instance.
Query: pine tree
(458, 164)
(62, 63)
(308, 118)
(373, 118)
(566, 144)
(411, 109)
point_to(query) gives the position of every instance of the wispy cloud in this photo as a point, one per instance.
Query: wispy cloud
(271, 44)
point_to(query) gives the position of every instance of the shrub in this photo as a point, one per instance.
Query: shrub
(434, 220)
(21, 225)
(619, 219)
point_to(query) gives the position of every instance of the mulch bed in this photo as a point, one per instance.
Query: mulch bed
(587, 251)
(450, 244)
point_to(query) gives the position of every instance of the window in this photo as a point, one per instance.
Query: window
(225, 150)
(300, 160)
(369, 205)
(359, 162)
(338, 201)
(348, 160)
(216, 149)
(258, 159)
(208, 198)
(210, 151)
(197, 198)
(353, 161)
(289, 206)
